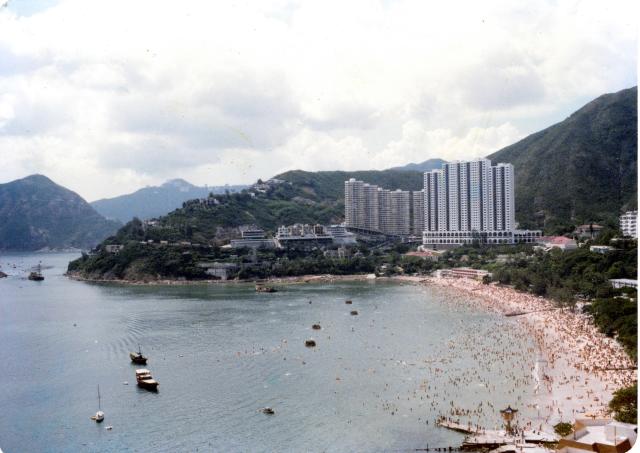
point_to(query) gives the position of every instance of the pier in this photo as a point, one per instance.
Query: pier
(478, 437)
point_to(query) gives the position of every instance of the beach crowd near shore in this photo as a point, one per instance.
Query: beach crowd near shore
(577, 369)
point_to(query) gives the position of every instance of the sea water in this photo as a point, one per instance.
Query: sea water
(375, 381)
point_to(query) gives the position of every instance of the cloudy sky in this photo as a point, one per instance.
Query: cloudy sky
(107, 96)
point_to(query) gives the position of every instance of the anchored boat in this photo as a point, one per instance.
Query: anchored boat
(265, 289)
(145, 380)
(137, 357)
(36, 275)
(99, 417)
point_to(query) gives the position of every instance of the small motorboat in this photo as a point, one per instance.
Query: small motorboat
(99, 417)
(310, 343)
(145, 380)
(137, 357)
(268, 411)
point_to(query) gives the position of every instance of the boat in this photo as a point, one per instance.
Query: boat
(265, 289)
(36, 275)
(137, 357)
(145, 380)
(99, 417)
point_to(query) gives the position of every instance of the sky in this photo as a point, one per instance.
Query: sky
(105, 97)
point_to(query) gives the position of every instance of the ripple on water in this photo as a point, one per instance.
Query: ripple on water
(340, 399)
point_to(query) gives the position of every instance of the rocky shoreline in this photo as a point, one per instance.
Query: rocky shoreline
(272, 281)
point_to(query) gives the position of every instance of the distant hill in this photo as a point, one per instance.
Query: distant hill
(37, 213)
(580, 170)
(330, 184)
(151, 202)
(291, 197)
(427, 165)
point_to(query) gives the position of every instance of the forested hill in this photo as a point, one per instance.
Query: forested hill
(580, 170)
(36, 213)
(329, 185)
(292, 197)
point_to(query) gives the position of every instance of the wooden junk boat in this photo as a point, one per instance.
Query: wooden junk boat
(265, 289)
(145, 380)
(36, 275)
(137, 357)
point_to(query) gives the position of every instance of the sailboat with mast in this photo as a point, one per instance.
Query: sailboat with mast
(99, 417)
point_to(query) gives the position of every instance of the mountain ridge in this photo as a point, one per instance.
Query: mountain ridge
(580, 170)
(427, 165)
(154, 201)
(36, 213)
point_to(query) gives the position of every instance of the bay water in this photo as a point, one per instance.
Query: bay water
(375, 381)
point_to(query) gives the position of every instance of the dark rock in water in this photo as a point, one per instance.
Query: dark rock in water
(310, 343)
(316, 327)
(348, 302)
(3, 275)
(354, 312)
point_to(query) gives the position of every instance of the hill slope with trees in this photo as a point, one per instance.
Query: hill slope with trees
(580, 170)
(36, 213)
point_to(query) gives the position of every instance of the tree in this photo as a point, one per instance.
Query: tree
(563, 429)
(625, 404)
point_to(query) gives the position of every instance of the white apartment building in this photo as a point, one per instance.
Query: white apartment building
(471, 201)
(629, 224)
(361, 205)
(394, 210)
(417, 212)
(372, 208)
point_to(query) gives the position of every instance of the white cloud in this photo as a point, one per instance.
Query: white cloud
(107, 96)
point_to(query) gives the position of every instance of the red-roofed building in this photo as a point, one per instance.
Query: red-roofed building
(559, 242)
(426, 254)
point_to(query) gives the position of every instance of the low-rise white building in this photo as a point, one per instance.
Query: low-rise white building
(603, 249)
(604, 435)
(253, 237)
(629, 224)
(623, 282)
(462, 272)
(340, 235)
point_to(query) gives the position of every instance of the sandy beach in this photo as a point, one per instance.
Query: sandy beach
(577, 369)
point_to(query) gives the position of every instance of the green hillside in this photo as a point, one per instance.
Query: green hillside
(580, 170)
(330, 184)
(36, 213)
(300, 197)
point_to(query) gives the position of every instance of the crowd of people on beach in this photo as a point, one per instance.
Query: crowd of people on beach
(551, 363)
(579, 368)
